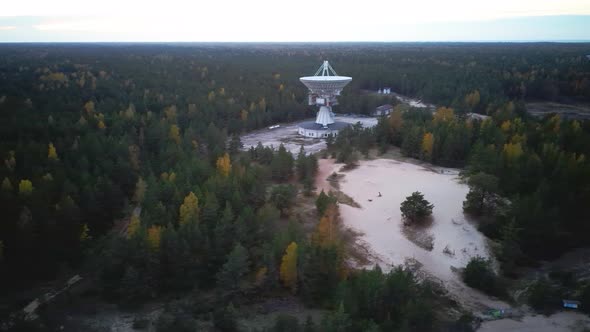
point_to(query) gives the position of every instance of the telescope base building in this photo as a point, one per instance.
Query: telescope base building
(316, 130)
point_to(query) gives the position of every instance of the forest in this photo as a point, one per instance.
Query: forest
(122, 162)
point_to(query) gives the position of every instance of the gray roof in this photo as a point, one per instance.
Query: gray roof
(384, 107)
(312, 125)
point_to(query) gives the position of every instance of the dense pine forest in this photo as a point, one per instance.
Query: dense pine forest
(122, 162)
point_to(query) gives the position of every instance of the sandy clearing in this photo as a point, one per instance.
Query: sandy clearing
(560, 322)
(379, 221)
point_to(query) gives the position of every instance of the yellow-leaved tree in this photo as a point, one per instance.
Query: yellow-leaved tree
(512, 151)
(288, 271)
(101, 124)
(25, 187)
(89, 107)
(444, 114)
(472, 99)
(154, 235)
(52, 152)
(427, 145)
(506, 125)
(140, 189)
(189, 209)
(174, 134)
(133, 226)
(224, 165)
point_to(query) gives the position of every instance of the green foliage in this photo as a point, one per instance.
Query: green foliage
(415, 207)
(281, 166)
(585, 298)
(235, 269)
(286, 323)
(372, 300)
(225, 319)
(337, 321)
(323, 201)
(544, 297)
(483, 194)
(283, 196)
(176, 322)
(307, 168)
(479, 274)
(117, 117)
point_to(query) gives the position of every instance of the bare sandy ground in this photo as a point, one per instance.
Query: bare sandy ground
(380, 223)
(560, 322)
(379, 220)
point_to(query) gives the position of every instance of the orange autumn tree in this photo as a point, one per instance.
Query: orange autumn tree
(327, 230)
(288, 270)
(154, 235)
(224, 165)
(427, 145)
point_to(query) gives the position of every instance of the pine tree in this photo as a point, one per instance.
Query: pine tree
(415, 207)
(235, 145)
(288, 270)
(235, 268)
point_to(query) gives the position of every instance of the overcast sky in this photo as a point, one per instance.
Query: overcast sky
(297, 20)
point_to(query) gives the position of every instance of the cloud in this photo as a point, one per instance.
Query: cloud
(7, 27)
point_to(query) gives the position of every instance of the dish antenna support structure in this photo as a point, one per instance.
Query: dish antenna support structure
(324, 87)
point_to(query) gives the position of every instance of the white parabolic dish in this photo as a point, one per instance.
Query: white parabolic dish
(325, 84)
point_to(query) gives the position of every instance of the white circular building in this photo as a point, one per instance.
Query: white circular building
(324, 87)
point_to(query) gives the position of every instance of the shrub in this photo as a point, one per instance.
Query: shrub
(286, 323)
(479, 275)
(544, 297)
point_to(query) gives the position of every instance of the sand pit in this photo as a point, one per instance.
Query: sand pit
(560, 322)
(454, 239)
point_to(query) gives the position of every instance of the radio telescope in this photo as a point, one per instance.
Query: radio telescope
(323, 87)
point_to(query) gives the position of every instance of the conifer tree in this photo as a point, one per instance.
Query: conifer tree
(234, 270)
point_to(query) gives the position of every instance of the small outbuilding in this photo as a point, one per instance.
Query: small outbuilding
(571, 304)
(383, 110)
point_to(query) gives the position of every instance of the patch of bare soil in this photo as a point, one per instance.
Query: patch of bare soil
(571, 111)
